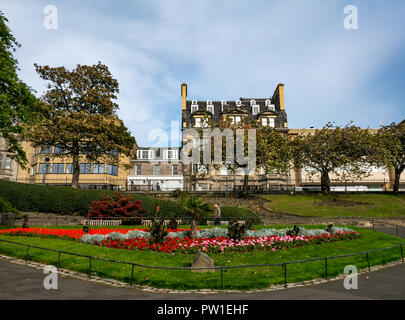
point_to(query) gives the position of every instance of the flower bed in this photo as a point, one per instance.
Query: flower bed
(212, 240)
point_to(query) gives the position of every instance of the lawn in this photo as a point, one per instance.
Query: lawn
(339, 205)
(237, 278)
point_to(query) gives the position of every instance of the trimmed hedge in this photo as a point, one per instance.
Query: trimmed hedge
(65, 200)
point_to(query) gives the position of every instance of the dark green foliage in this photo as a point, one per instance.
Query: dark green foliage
(66, 200)
(5, 206)
(329, 228)
(158, 231)
(236, 230)
(241, 212)
(294, 232)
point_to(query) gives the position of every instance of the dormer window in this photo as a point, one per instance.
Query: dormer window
(194, 106)
(145, 154)
(238, 103)
(268, 102)
(252, 103)
(255, 109)
(223, 102)
(210, 107)
(271, 107)
(171, 154)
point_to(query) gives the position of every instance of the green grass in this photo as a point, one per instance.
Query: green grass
(340, 205)
(243, 278)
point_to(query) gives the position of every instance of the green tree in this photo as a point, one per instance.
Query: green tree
(195, 207)
(18, 104)
(390, 149)
(342, 151)
(79, 116)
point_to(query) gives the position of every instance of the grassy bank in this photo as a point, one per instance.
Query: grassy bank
(243, 278)
(339, 205)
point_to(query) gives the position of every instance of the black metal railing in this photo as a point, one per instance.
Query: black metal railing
(222, 269)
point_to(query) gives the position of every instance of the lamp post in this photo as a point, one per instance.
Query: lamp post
(44, 170)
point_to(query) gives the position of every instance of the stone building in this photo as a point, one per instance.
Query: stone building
(8, 166)
(269, 111)
(155, 169)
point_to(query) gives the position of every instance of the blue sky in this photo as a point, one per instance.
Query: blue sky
(225, 50)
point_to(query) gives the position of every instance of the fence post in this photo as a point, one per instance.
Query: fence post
(90, 268)
(132, 275)
(27, 253)
(373, 225)
(402, 253)
(285, 274)
(222, 279)
(58, 260)
(326, 268)
(368, 262)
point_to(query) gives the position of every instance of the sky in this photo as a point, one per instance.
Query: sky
(225, 49)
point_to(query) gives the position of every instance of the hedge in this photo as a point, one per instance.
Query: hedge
(66, 200)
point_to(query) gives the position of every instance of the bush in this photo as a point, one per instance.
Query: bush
(119, 205)
(239, 212)
(66, 200)
(6, 206)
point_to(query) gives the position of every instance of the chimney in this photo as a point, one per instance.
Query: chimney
(183, 96)
(279, 94)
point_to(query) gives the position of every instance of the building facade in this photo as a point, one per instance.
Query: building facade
(156, 169)
(269, 111)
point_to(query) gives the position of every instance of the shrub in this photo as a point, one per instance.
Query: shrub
(237, 231)
(119, 205)
(6, 206)
(66, 200)
(158, 232)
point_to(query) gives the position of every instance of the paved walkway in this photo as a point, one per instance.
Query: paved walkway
(23, 282)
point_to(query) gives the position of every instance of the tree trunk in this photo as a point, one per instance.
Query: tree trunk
(245, 183)
(76, 172)
(325, 182)
(398, 172)
(193, 228)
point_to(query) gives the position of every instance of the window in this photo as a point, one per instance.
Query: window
(69, 168)
(264, 122)
(58, 168)
(112, 169)
(138, 170)
(1, 160)
(156, 170)
(98, 168)
(255, 110)
(197, 122)
(210, 108)
(7, 163)
(271, 107)
(235, 119)
(175, 169)
(252, 102)
(268, 102)
(238, 103)
(85, 168)
(44, 168)
(223, 102)
(171, 154)
(145, 154)
(33, 169)
(194, 108)
(59, 149)
(46, 149)
(271, 122)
